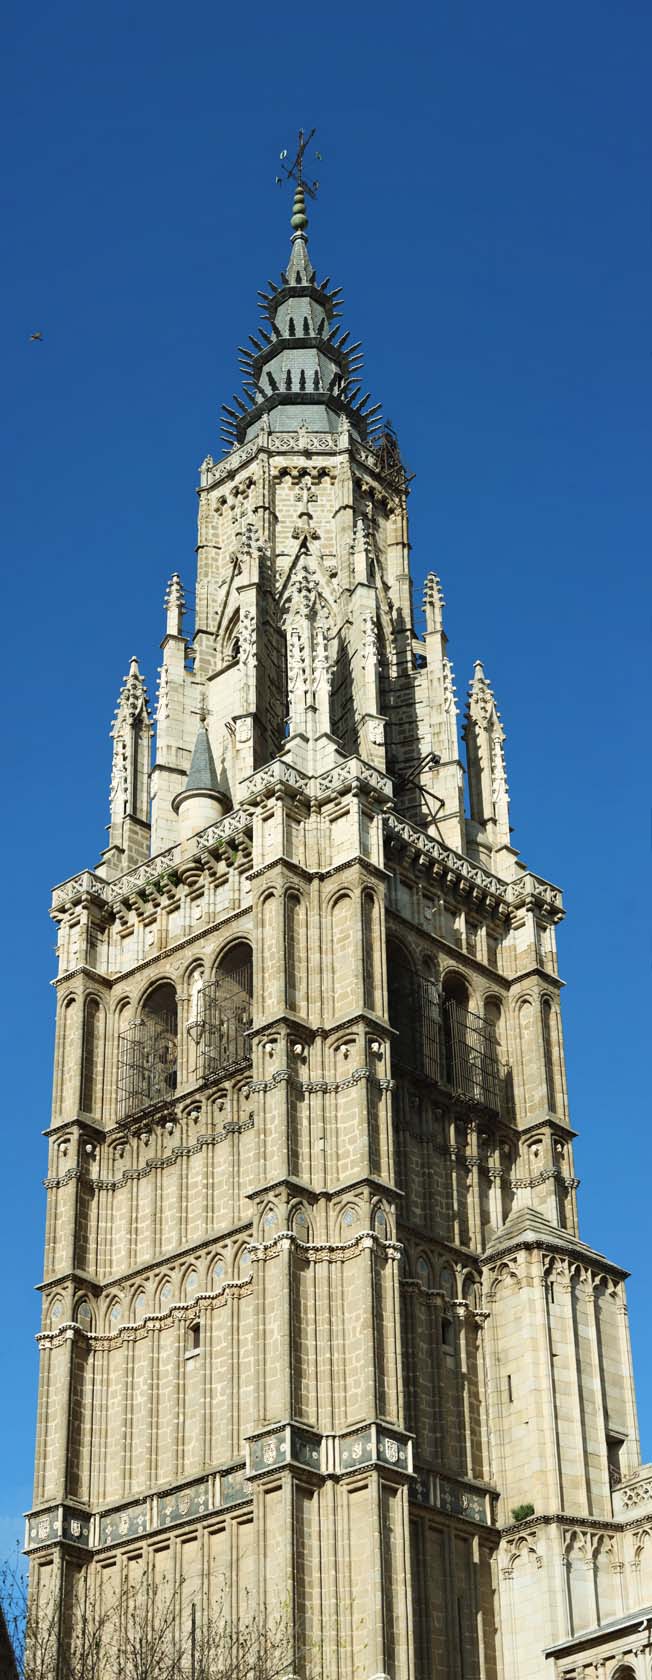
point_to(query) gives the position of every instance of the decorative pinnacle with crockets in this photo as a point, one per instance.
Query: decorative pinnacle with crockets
(294, 172)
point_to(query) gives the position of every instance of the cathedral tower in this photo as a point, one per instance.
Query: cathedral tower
(318, 1326)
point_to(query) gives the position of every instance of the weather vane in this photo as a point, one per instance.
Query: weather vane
(294, 171)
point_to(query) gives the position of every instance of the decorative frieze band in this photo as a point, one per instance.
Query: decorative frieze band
(455, 1497)
(288, 1075)
(206, 1140)
(258, 1252)
(287, 1446)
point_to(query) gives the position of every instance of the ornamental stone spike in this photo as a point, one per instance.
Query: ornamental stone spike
(360, 552)
(132, 699)
(484, 737)
(433, 603)
(131, 732)
(175, 606)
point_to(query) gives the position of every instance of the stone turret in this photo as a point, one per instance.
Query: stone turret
(202, 800)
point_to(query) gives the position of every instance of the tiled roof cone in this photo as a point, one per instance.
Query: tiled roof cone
(202, 775)
(201, 800)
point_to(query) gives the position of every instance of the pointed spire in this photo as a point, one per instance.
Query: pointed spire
(201, 800)
(484, 736)
(441, 686)
(132, 699)
(131, 733)
(175, 606)
(202, 775)
(301, 370)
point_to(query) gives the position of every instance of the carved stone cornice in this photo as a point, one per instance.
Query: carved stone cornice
(501, 897)
(157, 874)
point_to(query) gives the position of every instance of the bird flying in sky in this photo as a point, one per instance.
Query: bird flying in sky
(36, 338)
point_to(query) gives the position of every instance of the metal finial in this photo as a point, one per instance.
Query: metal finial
(294, 172)
(201, 711)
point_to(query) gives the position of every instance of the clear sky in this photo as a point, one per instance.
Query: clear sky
(486, 204)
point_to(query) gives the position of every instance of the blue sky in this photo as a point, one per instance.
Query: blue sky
(486, 204)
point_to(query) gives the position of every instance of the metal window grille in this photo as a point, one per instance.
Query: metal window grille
(445, 1042)
(147, 1066)
(224, 1019)
(471, 1056)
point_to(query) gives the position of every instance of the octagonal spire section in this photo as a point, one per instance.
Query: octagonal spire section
(300, 368)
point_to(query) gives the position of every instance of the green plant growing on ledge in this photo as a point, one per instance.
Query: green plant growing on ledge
(521, 1512)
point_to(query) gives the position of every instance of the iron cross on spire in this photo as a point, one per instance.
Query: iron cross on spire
(201, 711)
(294, 171)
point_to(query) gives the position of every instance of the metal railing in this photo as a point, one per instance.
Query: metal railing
(224, 1016)
(148, 1051)
(147, 1064)
(447, 1043)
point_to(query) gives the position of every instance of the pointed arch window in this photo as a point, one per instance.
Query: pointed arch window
(147, 1066)
(292, 331)
(92, 1056)
(221, 1034)
(547, 1027)
(288, 380)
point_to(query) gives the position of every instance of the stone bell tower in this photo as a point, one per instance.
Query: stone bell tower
(318, 1326)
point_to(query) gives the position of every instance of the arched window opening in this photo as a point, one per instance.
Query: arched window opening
(221, 1033)
(316, 381)
(471, 1059)
(196, 997)
(295, 954)
(455, 990)
(231, 640)
(370, 955)
(381, 1226)
(447, 1282)
(548, 1054)
(288, 380)
(493, 1015)
(302, 380)
(300, 1224)
(441, 1038)
(292, 331)
(306, 327)
(447, 1333)
(91, 1057)
(413, 1003)
(147, 1068)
